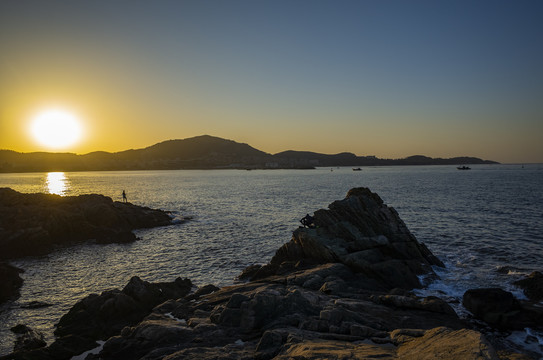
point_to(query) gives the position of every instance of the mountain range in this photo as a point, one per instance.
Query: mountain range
(202, 152)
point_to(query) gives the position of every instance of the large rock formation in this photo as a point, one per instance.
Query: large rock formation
(365, 235)
(327, 294)
(32, 224)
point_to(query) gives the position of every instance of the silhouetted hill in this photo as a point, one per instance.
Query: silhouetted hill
(349, 159)
(201, 152)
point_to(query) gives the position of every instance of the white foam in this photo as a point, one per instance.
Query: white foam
(528, 339)
(181, 321)
(94, 351)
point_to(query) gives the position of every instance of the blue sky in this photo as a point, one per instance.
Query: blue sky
(385, 78)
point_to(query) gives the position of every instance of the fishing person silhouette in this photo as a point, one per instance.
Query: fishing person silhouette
(124, 197)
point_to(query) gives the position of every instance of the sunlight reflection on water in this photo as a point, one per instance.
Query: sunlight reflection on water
(56, 183)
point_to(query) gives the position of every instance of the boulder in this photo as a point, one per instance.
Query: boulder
(500, 309)
(32, 224)
(532, 286)
(10, 282)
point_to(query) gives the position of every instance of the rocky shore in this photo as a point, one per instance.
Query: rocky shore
(340, 289)
(35, 224)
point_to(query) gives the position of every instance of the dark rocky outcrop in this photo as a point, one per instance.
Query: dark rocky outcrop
(10, 282)
(32, 224)
(102, 316)
(332, 293)
(365, 235)
(500, 309)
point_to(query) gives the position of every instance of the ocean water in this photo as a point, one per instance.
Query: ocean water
(476, 221)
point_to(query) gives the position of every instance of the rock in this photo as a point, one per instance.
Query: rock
(444, 343)
(27, 338)
(437, 343)
(32, 224)
(532, 286)
(148, 335)
(102, 316)
(430, 303)
(366, 236)
(269, 345)
(204, 290)
(35, 305)
(502, 310)
(10, 282)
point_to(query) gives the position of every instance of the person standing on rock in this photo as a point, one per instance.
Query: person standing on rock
(307, 221)
(124, 197)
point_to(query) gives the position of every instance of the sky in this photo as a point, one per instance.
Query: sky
(373, 77)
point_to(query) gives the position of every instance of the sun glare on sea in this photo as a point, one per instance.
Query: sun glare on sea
(56, 128)
(56, 183)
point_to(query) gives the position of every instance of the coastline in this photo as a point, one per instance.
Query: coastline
(309, 284)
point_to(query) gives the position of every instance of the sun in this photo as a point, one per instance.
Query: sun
(56, 128)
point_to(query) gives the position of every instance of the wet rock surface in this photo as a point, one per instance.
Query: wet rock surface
(33, 224)
(315, 300)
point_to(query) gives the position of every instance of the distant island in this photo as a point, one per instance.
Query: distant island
(202, 152)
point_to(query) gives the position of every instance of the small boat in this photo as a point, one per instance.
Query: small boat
(357, 169)
(463, 168)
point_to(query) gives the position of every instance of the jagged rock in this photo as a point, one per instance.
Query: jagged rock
(366, 236)
(32, 224)
(147, 335)
(102, 316)
(10, 282)
(532, 286)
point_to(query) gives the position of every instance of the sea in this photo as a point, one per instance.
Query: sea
(485, 224)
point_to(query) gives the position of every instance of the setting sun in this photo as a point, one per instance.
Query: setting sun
(56, 128)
